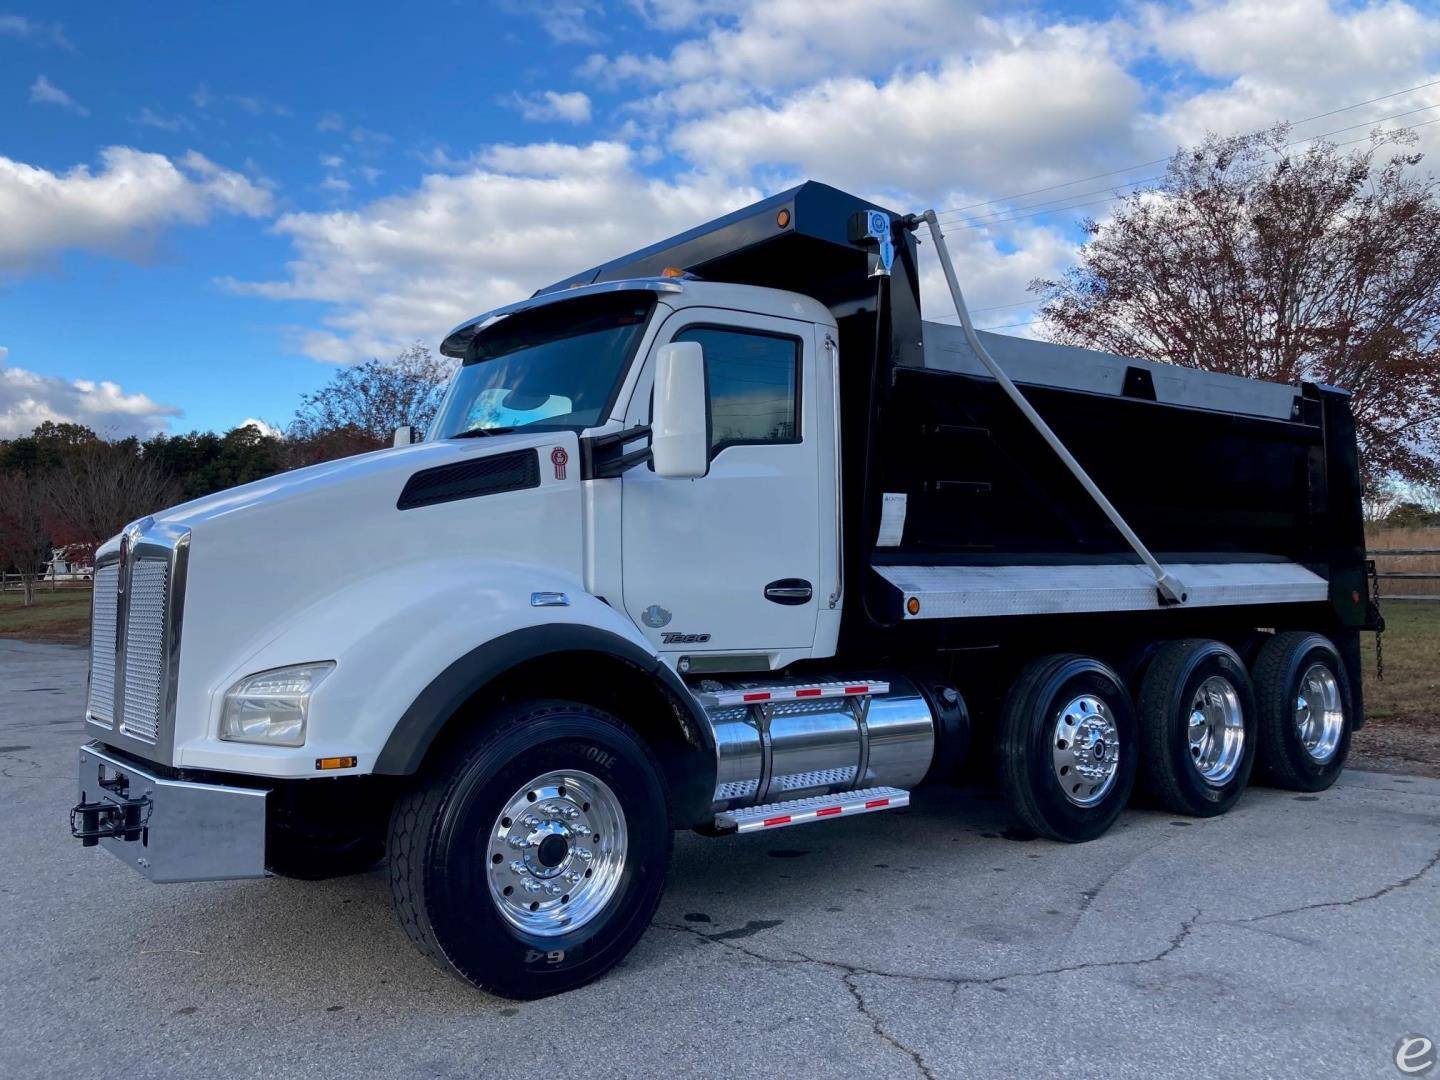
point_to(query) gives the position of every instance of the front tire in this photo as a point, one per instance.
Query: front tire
(531, 862)
(1197, 722)
(1067, 747)
(1305, 711)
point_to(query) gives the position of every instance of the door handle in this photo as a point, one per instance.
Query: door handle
(790, 591)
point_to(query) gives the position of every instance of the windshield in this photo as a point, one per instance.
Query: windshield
(551, 368)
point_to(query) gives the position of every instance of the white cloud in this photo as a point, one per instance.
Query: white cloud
(517, 218)
(675, 15)
(1011, 117)
(567, 22)
(913, 103)
(262, 426)
(34, 31)
(331, 121)
(148, 117)
(44, 92)
(201, 97)
(1290, 59)
(117, 210)
(772, 44)
(256, 105)
(550, 106)
(28, 399)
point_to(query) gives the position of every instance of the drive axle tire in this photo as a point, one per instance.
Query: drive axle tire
(531, 860)
(1305, 711)
(1198, 728)
(1067, 747)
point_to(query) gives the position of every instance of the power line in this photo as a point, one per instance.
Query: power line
(1161, 161)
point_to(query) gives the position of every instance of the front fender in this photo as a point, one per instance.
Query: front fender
(393, 637)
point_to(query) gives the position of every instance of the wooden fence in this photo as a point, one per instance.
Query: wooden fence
(1416, 578)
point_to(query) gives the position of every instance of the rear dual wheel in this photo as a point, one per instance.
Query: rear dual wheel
(1068, 747)
(1197, 723)
(1306, 711)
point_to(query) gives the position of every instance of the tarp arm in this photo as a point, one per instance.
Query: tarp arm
(1171, 590)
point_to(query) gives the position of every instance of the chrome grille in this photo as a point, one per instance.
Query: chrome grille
(101, 706)
(145, 649)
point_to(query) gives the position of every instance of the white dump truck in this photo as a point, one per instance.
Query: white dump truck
(723, 535)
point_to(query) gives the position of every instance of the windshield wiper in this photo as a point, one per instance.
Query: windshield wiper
(482, 432)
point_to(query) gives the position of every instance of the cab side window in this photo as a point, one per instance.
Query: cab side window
(754, 385)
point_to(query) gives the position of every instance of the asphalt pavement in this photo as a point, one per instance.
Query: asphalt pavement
(1298, 936)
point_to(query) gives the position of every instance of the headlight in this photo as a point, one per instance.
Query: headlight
(271, 707)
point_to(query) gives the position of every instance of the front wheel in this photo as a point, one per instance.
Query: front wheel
(1067, 747)
(532, 862)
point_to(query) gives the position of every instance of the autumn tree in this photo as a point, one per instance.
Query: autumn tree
(1272, 262)
(24, 526)
(100, 489)
(364, 404)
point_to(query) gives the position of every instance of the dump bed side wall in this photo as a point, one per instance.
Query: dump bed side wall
(982, 484)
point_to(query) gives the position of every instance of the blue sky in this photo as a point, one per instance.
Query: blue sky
(204, 208)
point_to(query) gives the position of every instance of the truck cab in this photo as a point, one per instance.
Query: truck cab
(722, 536)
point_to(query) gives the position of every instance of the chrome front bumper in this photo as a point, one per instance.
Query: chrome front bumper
(169, 830)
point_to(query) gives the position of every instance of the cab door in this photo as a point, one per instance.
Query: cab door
(730, 561)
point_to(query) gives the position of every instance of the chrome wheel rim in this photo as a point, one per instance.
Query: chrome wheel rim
(1319, 717)
(556, 853)
(1217, 730)
(1085, 750)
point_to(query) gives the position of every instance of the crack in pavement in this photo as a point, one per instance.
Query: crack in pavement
(850, 974)
(1384, 890)
(849, 982)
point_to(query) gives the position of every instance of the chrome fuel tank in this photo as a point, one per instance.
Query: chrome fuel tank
(790, 740)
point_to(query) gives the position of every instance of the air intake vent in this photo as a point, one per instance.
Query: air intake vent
(101, 706)
(145, 645)
(470, 479)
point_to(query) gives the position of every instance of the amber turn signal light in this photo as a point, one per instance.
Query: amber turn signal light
(336, 762)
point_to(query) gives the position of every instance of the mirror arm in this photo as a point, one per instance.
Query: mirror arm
(603, 457)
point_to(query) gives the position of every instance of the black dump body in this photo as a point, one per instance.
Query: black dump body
(1204, 467)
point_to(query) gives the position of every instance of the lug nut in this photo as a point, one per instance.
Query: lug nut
(518, 867)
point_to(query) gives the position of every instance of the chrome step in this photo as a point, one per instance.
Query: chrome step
(816, 808)
(761, 695)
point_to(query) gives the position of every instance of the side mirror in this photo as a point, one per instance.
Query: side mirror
(404, 436)
(679, 429)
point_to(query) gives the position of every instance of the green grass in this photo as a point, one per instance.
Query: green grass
(1403, 708)
(61, 616)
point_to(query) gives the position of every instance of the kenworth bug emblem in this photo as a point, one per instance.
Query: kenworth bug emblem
(559, 458)
(655, 617)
